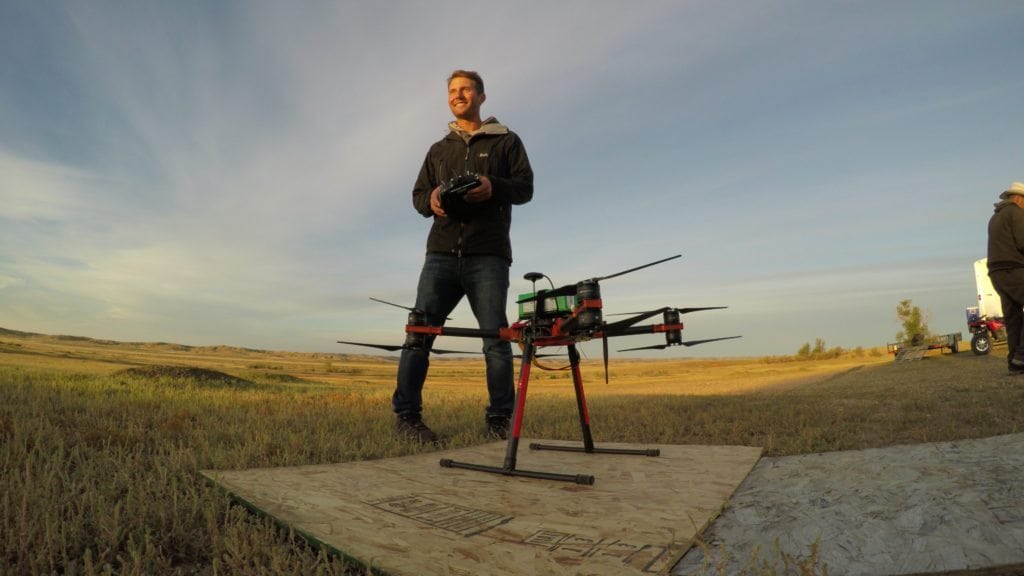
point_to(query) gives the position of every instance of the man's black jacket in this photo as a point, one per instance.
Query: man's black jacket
(1006, 237)
(493, 151)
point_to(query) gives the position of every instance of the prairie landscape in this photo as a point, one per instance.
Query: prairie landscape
(101, 442)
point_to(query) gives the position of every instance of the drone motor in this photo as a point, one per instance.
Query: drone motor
(588, 298)
(413, 340)
(672, 337)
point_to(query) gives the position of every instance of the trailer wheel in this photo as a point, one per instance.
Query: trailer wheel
(981, 343)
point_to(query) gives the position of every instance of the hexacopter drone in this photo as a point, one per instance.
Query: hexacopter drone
(556, 317)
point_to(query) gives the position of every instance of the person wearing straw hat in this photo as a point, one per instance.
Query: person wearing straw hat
(1006, 268)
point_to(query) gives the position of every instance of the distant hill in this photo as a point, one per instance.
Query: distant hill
(219, 349)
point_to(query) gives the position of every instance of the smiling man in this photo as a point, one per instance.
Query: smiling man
(469, 252)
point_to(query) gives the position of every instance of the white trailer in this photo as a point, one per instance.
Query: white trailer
(989, 304)
(985, 321)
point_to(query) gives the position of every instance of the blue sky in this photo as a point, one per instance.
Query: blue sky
(240, 172)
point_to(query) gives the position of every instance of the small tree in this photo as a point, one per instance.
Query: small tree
(915, 327)
(819, 351)
(804, 351)
(819, 347)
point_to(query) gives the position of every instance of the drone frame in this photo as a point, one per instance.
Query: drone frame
(509, 467)
(559, 328)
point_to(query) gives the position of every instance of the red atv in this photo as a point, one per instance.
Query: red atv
(985, 331)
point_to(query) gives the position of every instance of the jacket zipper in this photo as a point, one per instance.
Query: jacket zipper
(462, 225)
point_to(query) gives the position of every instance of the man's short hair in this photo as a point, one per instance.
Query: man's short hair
(470, 74)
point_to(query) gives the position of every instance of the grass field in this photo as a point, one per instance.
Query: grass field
(101, 442)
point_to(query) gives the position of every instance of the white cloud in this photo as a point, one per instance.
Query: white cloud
(251, 166)
(31, 190)
(8, 281)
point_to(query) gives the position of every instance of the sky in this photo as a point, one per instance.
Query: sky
(240, 173)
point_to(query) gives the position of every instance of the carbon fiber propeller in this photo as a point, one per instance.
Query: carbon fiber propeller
(687, 343)
(570, 289)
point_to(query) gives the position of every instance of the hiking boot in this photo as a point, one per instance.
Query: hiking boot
(497, 426)
(412, 427)
(1016, 365)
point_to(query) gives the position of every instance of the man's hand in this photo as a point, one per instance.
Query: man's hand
(478, 194)
(435, 202)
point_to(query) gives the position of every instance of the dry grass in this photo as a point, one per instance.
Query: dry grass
(100, 449)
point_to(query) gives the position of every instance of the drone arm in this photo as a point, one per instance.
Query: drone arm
(508, 334)
(621, 324)
(636, 330)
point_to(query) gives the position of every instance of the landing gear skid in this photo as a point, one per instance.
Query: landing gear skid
(509, 467)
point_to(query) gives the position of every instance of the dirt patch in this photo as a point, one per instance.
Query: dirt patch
(202, 376)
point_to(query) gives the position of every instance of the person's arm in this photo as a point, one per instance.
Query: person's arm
(1017, 227)
(517, 188)
(424, 188)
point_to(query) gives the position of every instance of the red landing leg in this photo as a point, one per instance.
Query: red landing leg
(509, 467)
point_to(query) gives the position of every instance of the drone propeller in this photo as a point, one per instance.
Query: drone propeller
(679, 310)
(398, 305)
(687, 343)
(395, 305)
(648, 265)
(641, 316)
(394, 348)
(604, 350)
(570, 289)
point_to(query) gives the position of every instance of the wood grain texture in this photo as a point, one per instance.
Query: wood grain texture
(410, 516)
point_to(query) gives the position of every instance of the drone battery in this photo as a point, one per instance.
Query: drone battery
(554, 306)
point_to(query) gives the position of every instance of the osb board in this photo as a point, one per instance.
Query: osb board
(410, 516)
(947, 507)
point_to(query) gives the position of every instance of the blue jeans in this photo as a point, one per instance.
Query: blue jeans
(444, 280)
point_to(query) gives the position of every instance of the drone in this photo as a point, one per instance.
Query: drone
(555, 317)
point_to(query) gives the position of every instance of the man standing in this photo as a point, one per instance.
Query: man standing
(469, 253)
(1006, 268)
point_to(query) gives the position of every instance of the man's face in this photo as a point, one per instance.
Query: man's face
(463, 99)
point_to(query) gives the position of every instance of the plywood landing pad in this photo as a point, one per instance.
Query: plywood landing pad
(409, 516)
